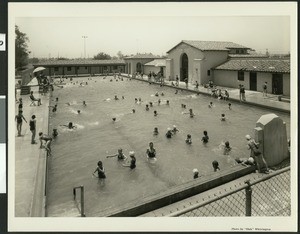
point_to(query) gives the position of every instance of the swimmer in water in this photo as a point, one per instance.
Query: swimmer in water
(151, 104)
(120, 155)
(205, 138)
(68, 103)
(223, 118)
(54, 133)
(83, 103)
(56, 99)
(78, 111)
(114, 119)
(54, 108)
(174, 130)
(155, 113)
(162, 94)
(101, 171)
(227, 148)
(159, 101)
(116, 97)
(229, 106)
(188, 139)
(195, 173)
(156, 94)
(210, 105)
(147, 107)
(191, 113)
(133, 111)
(69, 126)
(215, 165)
(169, 133)
(135, 100)
(176, 91)
(123, 97)
(168, 102)
(151, 152)
(132, 163)
(245, 161)
(155, 132)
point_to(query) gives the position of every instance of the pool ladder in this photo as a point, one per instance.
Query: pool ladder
(81, 187)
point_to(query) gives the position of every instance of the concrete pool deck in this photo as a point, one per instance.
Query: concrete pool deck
(30, 160)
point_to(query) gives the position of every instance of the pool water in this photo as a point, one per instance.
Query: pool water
(76, 152)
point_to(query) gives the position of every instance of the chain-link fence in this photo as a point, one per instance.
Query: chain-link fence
(267, 196)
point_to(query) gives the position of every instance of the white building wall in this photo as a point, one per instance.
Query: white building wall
(209, 59)
(286, 84)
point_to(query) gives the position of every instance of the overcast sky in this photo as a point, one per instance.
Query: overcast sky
(50, 36)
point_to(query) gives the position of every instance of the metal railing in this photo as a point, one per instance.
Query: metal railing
(266, 196)
(81, 187)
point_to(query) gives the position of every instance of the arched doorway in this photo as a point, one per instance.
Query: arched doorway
(139, 67)
(184, 67)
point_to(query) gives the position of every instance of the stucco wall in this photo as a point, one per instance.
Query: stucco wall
(134, 62)
(197, 59)
(286, 84)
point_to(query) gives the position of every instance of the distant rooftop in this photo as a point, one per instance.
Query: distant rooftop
(157, 63)
(77, 62)
(143, 56)
(212, 45)
(258, 65)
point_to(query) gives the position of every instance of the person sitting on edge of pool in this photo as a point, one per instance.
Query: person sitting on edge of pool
(132, 163)
(227, 148)
(169, 133)
(188, 139)
(155, 113)
(69, 126)
(147, 107)
(215, 165)
(47, 145)
(223, 118)
(155, 131)
(120, 155)
(174, 130)
(151, 152)
(205, 138)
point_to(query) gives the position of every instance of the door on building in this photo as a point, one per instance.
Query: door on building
(184, 68)
(139, 67)
(253, 81)
(277, 84)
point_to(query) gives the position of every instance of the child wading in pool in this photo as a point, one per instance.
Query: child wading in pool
(151, 152)
(188, 139)
(215, 165)
(155, 131)
(169, 133)
(227, 148)
(100, 170)
(120, 155)
(132, 163)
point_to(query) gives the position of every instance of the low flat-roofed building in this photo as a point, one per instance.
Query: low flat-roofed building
(156, 66)
(76, 67)
(253, 73)
(135, 63)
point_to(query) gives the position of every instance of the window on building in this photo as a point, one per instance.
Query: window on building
(77, 68)
(69, 68)
(105, 67)
(115, 67)
(85, 68)
(208, 72)
(241, 75)
(55, 68)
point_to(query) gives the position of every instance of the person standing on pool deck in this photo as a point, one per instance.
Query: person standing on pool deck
(100, 170)
(32, 125)
(120, 155)
(257, 155)
(265, 89)
(19, 118)
(242, 90)
(151, 152)
(186, 83)
(132, 164)
(47, 140)
(215, 165)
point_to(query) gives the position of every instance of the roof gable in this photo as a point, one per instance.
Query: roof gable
(258, 65)
(211, 45)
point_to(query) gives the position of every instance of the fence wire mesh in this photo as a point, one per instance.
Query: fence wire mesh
(270, 197)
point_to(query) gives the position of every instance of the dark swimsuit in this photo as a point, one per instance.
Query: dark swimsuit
(151, 154)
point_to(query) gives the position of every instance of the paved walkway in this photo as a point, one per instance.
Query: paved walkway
(29, 159)
(28, 156)
(252, 97)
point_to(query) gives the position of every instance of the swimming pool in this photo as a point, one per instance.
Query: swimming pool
(76, 152)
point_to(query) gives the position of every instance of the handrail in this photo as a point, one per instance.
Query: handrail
(245, 186)
(81, 198)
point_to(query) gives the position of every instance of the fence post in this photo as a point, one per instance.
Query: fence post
(248, 198)
(82, 201)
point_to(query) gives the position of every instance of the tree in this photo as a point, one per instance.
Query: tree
(120, 55)
(21, 58)
(102, 56)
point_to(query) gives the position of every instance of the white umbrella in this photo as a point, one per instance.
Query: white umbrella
(38, 69)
